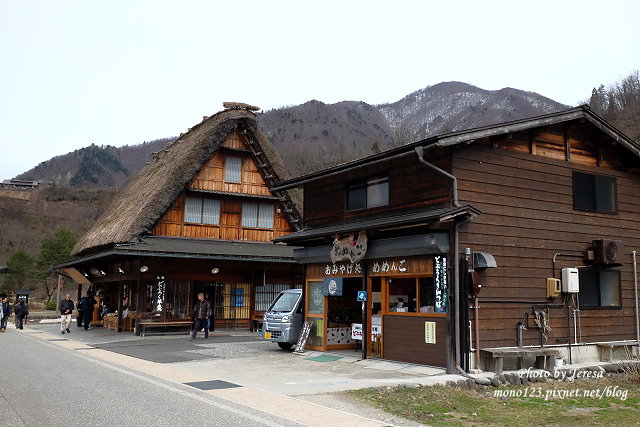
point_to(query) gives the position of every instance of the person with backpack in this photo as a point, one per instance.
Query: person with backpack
(85, 310)
(21, 311)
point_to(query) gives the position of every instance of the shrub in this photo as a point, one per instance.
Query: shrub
(50, 305)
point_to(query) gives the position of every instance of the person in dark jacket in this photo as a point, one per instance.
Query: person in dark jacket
(202, 311)
(5, 309)
(66, 308)
(85, 310)
(21, 311)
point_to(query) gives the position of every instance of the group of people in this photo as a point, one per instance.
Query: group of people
(20, 311)
(84, 308)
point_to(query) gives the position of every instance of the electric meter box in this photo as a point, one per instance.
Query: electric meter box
(570, 280)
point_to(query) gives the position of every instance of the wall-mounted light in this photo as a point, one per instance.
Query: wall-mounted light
(144, 269)
(85, 275)
(120, 270)
(103, 273)
(215, 270)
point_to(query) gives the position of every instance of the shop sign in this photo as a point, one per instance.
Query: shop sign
(430, 332)
(356, 331)
(332, 286)
(349, 248)
(440, 284)
(342, 269)
(389, 266)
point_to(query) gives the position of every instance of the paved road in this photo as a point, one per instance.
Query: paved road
(45, 384)
(47, 379)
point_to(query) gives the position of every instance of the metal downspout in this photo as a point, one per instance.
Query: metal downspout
(456, 252)
(635, 292)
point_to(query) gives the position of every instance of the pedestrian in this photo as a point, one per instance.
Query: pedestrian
(5, 308)
(201, 311)
(21, 311)
(85, 310)
(66, 308)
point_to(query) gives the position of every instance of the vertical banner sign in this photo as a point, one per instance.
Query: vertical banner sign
(440, 283)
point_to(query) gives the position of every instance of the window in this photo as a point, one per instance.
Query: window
(599, 288)
(412, 295)
(257, 215)
(202, 211)
(594, 193)
(368, 194)
(233, 169)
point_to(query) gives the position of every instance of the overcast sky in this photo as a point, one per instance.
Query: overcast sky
(116, 72)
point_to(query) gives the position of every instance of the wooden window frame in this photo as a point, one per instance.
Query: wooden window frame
(226, 162)
(201, 200)
(614, 183)
(365, 184)
(260, 206)
(385, 297)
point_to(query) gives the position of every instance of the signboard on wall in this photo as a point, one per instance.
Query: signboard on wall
(332, 286)
(350, 248)
(430, 332)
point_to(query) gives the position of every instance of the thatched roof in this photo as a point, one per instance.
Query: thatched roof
(143, 201)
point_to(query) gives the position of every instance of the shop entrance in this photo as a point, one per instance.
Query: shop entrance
(332, 317)
(230, 304)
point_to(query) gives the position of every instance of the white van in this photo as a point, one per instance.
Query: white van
(283, 319)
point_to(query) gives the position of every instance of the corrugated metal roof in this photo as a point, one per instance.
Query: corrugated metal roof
(222, 248)
(176, 247)
(443, 214)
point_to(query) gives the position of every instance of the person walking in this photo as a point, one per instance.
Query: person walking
(5, 308)
(85, 310)
(66, 308)
(201, 311)
(21, 311)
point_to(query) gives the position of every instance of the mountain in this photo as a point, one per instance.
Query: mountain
(95, 166)
(315, 135)
(455, 106)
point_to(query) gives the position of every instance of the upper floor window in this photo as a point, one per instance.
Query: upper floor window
(369, 193)
(202, 211)
(594, 193)
(257, 215)
(599, 288)
(233, 169)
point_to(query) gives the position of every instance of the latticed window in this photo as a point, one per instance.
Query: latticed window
(257, 215)
(233, 169)
(202, 211)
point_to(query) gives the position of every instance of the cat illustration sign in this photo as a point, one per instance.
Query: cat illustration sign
(362, 295)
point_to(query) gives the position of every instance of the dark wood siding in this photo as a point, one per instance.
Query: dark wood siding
(325, 203)
(404, 340)
(527, 216)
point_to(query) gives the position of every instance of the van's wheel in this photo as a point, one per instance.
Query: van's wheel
(285, 345)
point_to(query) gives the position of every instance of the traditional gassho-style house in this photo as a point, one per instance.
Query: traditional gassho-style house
(199, 217)
(459, 239)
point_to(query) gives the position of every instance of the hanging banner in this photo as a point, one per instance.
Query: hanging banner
(440, 284)
(349, 248)
(332, 286)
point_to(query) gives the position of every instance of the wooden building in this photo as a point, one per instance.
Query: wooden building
(199, 217)
(463, 232)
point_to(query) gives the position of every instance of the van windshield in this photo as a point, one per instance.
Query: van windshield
(285, 302)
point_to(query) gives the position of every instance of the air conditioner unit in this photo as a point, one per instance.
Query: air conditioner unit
(608, 252)
(570, 280)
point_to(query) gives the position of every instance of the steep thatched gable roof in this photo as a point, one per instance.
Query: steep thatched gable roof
(144, 200)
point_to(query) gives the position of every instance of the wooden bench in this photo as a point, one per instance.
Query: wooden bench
(150, 324)
(545, 357)
(605, 349)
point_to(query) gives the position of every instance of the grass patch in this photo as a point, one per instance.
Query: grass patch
(550, 403)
